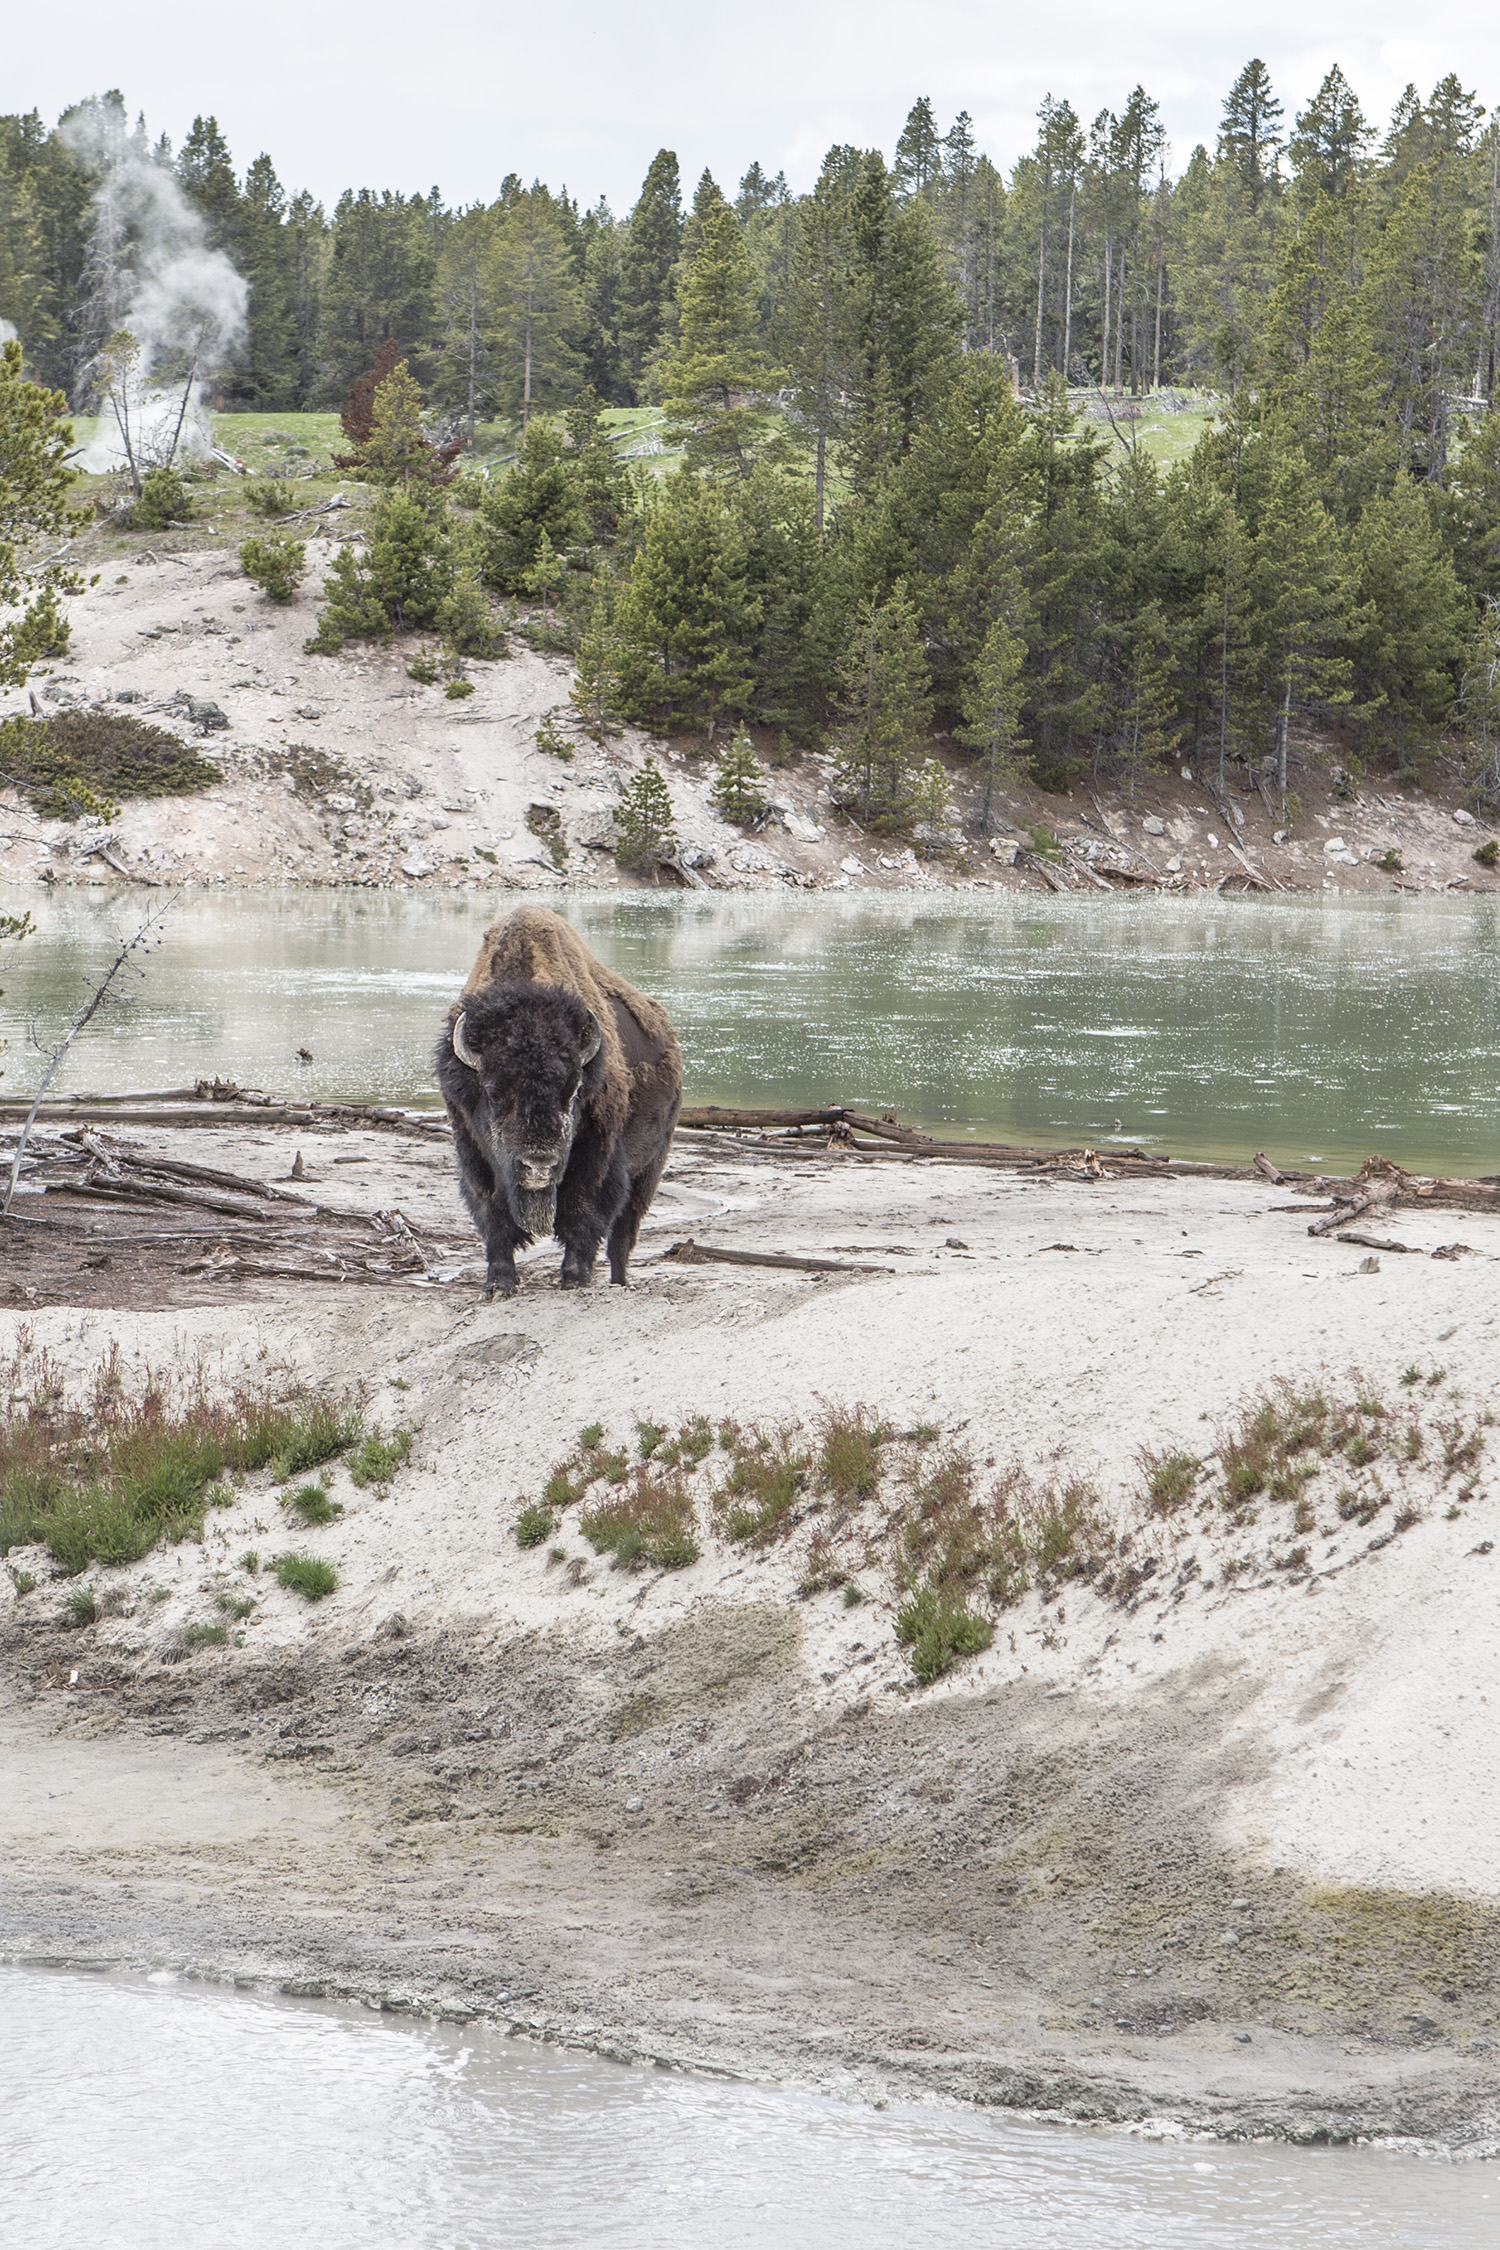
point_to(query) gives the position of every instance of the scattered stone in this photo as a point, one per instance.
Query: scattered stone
(337, 802)
(1464, 819)
(1153, 826)
(417, 867)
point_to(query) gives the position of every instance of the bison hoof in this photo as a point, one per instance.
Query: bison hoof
(500, 1289)
(566, 1280)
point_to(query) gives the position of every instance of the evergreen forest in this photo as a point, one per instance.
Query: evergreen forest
(908, 498)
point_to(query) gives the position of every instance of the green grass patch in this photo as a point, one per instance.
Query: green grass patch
(320, 1431)
(1169, 1479)
(937, 1632)
(768, 1474)
(311, 1505)
(237, 1606)
(81, 1607)
(848, 1453)
(203, 1636)
(378, 1458)
(307, 1575)
(651, 1521)
(104, 1478)
(534, 1524)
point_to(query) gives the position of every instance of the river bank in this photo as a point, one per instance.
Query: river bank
(1212, 1842)
(344, 771)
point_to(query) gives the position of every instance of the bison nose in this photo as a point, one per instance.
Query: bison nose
(537, 1172)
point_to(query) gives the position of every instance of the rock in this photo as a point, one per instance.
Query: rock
(852, 866)
(130, 695)
(1174, 864)
(1336, 848)
(1153, 826)
(804, 830)
(340, 803)
(634, 1804)
(1464, 819)
(207, 718)
(416, 867)
(1004, 848)
(593, 828)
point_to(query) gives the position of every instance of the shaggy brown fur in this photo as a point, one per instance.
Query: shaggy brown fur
(536, 946)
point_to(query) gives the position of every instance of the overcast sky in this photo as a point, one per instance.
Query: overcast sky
(458, 94)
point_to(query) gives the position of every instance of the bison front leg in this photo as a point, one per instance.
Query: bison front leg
(592, 1193)
(488, 1209)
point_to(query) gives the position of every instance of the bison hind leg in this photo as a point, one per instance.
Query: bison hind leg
(627, 1226)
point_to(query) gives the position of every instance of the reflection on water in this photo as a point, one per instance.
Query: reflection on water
(147, 2114)
(1201, 1026)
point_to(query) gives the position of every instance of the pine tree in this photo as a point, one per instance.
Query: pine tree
(685, 618)
(466, 295)
(1248, 137)
(817, 331)
(931, 796)
(643, 820)
(739, 787)
(919, 151)
(1479, 703)
(205, 171)
(379, 282)
(537, 499)
(35, 479)
(887, 708)
(1328, 141)
(538, 308)
(652, 241)
(717, 376)
(994, 695)
(397, 450)
(270, 379)
(595, 692)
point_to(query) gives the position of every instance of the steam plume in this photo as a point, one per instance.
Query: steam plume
(151, 271)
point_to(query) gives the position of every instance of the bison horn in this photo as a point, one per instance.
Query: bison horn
(595, 1038)
(461, 1047)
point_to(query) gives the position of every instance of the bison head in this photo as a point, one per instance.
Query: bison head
(530, 1046)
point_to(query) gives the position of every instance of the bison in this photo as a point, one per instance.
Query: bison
(562, 1084)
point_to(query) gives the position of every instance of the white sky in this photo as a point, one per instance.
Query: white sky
(458, 93)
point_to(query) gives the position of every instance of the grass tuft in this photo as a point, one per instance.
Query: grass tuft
(1170, 1479)
(378, 1458)
(652, 1521)
(307, 1575)
(81, 1607)
(311, 1505)
(848, 1456)
(534, 1524)
(768, 1473)
(938, 1632)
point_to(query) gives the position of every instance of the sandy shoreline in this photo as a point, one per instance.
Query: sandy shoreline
(1215, 1846)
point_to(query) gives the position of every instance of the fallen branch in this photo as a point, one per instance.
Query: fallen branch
(692, 1253)
(151, 923)
(1376, 1242)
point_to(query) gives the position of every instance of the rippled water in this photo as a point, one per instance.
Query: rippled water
(1201, 1026)
(147, 2115)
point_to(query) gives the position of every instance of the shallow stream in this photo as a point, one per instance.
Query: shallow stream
(1318, 1030)
(142, 2113)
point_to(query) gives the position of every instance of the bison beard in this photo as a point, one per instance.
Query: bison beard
(562, 1085)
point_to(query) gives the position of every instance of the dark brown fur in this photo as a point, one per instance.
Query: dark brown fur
(565, 1124)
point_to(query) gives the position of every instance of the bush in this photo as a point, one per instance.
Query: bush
(1488, 854)
(936, 1633)
(849, 1454)
(202, 1636)
(767, 1476)
(271, 498)
(398, 584)
(82, 761)
(81, 1607)
(163, 500)
(464, 615)
(276, 565)
(307, 1575)
(534, 1524)
(379, 1458)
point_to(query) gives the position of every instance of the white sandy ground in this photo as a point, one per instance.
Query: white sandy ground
(1351, 1705)
(406, 789)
